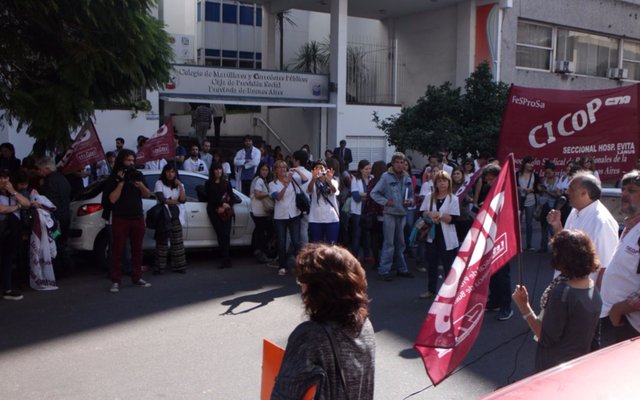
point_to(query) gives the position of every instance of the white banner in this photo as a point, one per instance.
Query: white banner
(189, 80)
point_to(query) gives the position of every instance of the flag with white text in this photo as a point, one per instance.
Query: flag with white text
(86, 149)
(160, 145)
(455, 317)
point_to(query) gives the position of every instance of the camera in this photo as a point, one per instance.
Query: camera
(323, 173)
(131, 174)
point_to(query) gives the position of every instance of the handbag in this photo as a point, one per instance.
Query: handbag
(302, 200)
(268, 204)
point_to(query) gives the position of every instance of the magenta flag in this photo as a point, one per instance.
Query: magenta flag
(455, 317)
(160, 145)
(85, 149)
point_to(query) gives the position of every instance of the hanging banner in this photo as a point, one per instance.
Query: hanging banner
(564, 125)
(86, 149)
(455, 317)
(160, 145)
(235, 83)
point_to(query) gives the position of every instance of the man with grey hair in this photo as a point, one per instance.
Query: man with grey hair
(590, 216)
(395, 192)
(56, 188)
(621, 282)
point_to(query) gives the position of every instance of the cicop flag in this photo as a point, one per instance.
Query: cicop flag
(455, 317)
(160, 145)
(86, 149)
(563, 125)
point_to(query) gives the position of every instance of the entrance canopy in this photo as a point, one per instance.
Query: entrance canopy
(373, 9)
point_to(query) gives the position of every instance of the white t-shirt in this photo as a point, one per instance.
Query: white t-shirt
(155, 165)
(196, 165)
(323, 211)
(450, 206)
(257, 208)
(173, 194)
(286, 207)
(621, 277)
(426, 188)
(598, 223)
(357, 185)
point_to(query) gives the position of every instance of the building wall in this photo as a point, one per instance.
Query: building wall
(426, 50)
(109, 124)
(614, 18)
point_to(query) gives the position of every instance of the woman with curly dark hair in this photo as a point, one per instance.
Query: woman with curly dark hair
(335, 349)
(571, 303)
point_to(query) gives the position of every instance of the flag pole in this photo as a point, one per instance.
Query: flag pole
(517, 196)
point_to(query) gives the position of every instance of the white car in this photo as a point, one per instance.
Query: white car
(88, 229)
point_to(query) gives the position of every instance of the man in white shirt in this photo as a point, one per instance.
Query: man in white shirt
(621, 282)
(246, 161)
(590, 216)
(205, 154)
(194, 163)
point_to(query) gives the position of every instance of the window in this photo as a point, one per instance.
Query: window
(230, 13)
(591, 54)
(246, 15)
(534, 46)
(212, 11)
(370, 148)
(631, 59)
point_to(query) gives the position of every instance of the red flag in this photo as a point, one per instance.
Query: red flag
(562, 125)
(455, 317)
(85, 149)
(160, 145)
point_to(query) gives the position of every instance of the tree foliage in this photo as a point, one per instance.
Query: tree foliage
(62, 59)
(445, 117)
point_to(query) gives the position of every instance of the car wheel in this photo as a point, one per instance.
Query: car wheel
(102, 249)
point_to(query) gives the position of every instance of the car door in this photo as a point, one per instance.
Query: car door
(199, 233)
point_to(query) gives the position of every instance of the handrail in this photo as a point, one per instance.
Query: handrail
(270, 130)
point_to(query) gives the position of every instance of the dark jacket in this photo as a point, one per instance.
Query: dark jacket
(309, 360)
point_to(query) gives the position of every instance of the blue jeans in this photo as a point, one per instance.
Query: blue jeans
(293, 226)
(393, 244)
(324, 232)
(528, 221)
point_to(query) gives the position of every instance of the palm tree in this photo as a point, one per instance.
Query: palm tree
(312, 57)
(357, 73)
(281, 18)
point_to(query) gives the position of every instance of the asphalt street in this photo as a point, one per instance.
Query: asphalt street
(199, 335)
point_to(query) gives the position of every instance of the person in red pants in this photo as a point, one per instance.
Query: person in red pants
(122, 199)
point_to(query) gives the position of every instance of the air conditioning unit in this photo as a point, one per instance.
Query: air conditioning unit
(617, 73)
(564, 67)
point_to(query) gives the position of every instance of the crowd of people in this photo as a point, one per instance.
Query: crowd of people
(379, 212)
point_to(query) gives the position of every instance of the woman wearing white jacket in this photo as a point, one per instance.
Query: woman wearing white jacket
(442, 207)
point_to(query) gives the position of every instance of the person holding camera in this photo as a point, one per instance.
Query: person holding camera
(324, 216)
(286, 215)
(122, 200)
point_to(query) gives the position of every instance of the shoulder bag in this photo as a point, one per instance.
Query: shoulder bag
(302, 200)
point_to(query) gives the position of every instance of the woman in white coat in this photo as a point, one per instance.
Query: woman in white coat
(442, 207)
